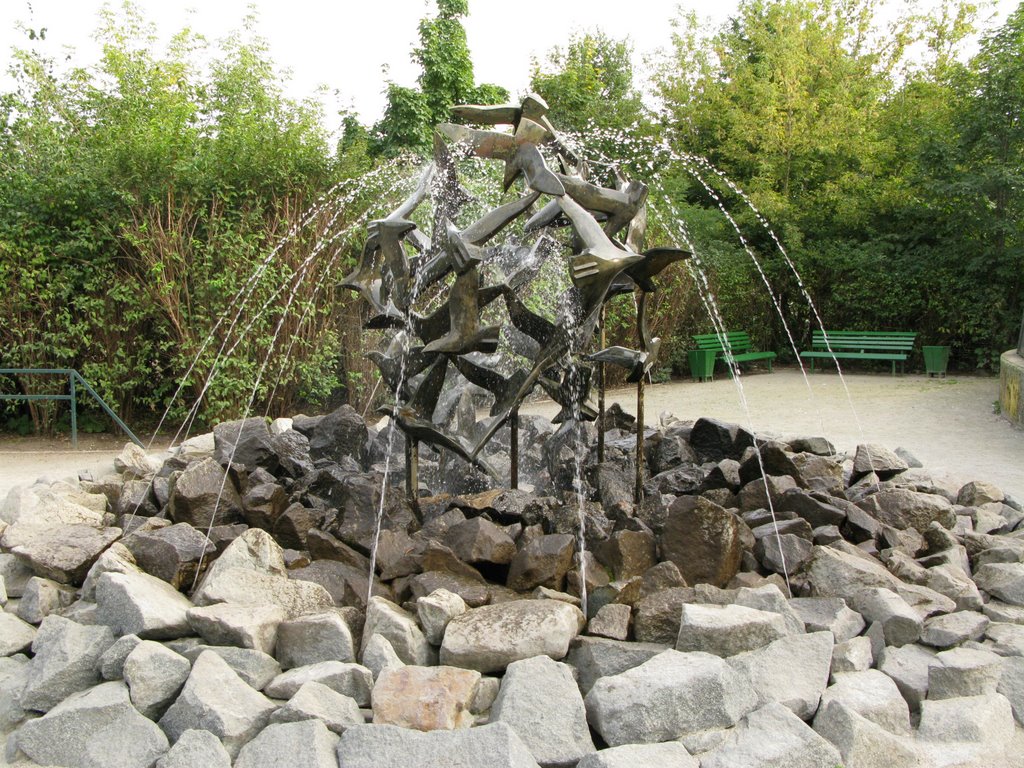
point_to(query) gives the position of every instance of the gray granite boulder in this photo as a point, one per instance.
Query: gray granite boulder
(773, 736)
(66, 661)
(726, 630)
(95, 727)
(307, 743)
(953, 629)
(353, 680)
(964, 672)
(597, 657)
(196, 748)
(490, 638)
(400, 629)
(873, 696)
(16, 636)
(216, 699)
(1004, 581)
(254, 667)
(111, 664)
(792, 671)
(669, 753)
(244, 626)
(671, 695)
(980, 719)
(388, 746)
(435, 610)
(155, 675)
(245, 586)
(900, 623)
(861, 742)
(541, 702)
(908, 668)
(314, 638)
(41, 597)
(315, 701)
(143, 605)
(829, 614)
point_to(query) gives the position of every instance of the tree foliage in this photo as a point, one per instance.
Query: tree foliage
(446, 78)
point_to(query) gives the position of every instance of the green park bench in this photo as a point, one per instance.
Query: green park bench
(738, 350)
(862, 345)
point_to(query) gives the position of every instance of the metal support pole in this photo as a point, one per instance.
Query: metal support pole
(600, 395)
(74, 410)
(412, 470)
(514, 452)
(638, 492)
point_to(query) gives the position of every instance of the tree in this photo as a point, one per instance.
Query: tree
(589, 84)
(445, 79)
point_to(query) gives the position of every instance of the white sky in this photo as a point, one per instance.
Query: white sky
(345, 45)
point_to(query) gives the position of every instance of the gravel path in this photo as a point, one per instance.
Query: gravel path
(949, 424)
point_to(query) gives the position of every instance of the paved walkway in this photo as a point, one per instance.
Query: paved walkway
(949, 424)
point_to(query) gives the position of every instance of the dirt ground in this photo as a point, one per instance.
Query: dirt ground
(949, 424)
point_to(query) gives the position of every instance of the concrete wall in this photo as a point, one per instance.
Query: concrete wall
(1011, 386)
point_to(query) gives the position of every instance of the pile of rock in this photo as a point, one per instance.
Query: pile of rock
(147, 622)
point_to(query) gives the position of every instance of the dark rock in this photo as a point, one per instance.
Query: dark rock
(294, 524)
(262, 504)
(305, 424)
(137, 498)
(815, 445)
(247, 443)
(686, 478)
(474, 592)
(172, 553)
(816, 509)
(703, 540)
(201, 496)
(818, 473)
(876, 459)
(664, 575)
(725, 474)
(669, 452)
(715, 440)
(324, 546)
(614, 488)
(909, 509)
(756, 494)
(347, 585)
(338, 434)
(292, 449)
(628, 553)
(772, 459)
(544, 562)
(656, 618)
(797, 527)
(480, 541)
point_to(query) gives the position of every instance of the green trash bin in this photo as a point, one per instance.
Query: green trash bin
(702, 364)
(936, 359)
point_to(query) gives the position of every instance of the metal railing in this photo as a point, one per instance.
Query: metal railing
(75, 381)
